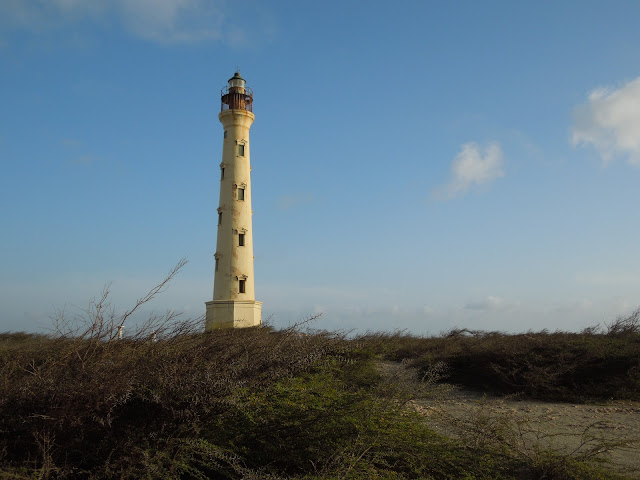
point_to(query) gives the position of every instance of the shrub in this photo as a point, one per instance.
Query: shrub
(264, 404)
(591, 365)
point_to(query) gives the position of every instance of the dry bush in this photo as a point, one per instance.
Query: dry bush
(592, 365)
(87, 404)
(81, 400)
(233, 404)
(548, 451)
(625, 326)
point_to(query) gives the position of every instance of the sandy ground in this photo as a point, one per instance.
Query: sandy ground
(609, 431)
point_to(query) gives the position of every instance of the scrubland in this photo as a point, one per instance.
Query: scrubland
(262, 403)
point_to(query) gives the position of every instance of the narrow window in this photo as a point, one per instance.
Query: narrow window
(241, 239)
(221, 173)
(240, 193)
(241, 150)
(241, 286)
(217, 263)
(225, 134)
(219, 218)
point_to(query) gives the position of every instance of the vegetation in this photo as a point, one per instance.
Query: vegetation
(168, 401)
(597, 364)
(232, 404)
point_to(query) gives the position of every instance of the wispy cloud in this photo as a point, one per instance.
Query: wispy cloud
(609, 279)
(71, 142)
(38, 15)
(491, 303)
(287, 202)
(75, 147)
(160, 21)
(84, 160)
(173, 21)
(473, 167)
(610, 122)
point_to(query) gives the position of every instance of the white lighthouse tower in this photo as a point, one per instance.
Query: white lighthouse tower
(234, 304)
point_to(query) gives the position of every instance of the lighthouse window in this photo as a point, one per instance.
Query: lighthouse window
(241, 239)
(225, 134)
(217, 263)
(240, 193)
(241, 150)
(221, 173)
(242, 286)
(219, 218)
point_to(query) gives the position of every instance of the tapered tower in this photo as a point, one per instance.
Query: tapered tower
(234, 304)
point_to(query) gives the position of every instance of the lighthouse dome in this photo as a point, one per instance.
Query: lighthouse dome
(237, 81)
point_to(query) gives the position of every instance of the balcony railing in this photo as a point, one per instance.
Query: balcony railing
(235, 100)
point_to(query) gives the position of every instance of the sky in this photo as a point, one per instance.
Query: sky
(417, 165)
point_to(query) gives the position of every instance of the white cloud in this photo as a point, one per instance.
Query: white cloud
(173, 21)
(491, 303)
(609, 279)
(472, 168)
(610, 122)
(162, 21)
(39, 15)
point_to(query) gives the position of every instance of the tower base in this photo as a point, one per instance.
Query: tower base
(233, 314)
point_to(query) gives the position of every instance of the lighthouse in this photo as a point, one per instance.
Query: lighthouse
(234, 304)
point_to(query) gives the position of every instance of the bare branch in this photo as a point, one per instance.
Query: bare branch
(159, 288)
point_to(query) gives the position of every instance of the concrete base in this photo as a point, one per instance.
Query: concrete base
(233, 314)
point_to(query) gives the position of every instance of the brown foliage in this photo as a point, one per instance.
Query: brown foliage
(595, 364)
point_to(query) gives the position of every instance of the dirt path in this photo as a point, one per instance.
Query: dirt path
(610, 430)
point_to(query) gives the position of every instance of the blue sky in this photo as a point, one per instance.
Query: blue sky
(416, 165)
